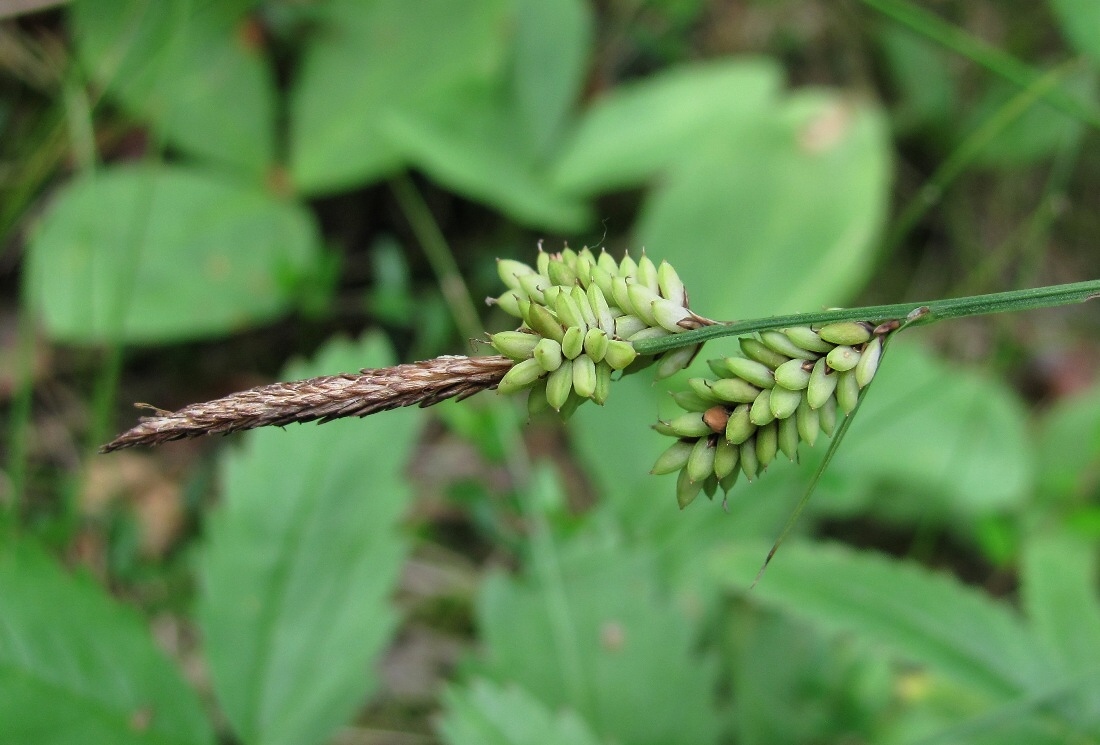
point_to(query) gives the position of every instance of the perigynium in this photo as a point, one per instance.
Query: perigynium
(580, 315)
(784, 389)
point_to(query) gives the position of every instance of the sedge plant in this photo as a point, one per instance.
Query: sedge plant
(586, 319)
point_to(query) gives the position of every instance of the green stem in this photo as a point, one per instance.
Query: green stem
(454, 289)
(988, 56)
(933, 310)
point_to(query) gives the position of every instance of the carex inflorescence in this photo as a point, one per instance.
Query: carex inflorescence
(786, 387)
(581, 314)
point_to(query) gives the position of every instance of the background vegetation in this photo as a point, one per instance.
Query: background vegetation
(197, 196)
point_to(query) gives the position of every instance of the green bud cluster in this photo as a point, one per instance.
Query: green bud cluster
(580, 315)
(787, 387)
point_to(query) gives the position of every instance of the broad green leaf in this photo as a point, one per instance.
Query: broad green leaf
(921, 616)
(792, 684)
(1068, 448)
(76, 667)
(956, 435)
(782, 217)
(162, 253)
(551, 53)
(483, 713)
(593, 633)
(188, 67)
(368, 60)
(640, 129)
(300, 563)
(1059, 591)
(1080, 20)
(478, 146)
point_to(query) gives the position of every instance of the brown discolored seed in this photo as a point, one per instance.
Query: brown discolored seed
(716, 417)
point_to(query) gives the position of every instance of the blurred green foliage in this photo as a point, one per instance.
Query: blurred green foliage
(592, 610)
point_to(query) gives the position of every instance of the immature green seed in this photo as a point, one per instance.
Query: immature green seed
(686, 489)
(847, 392)
(661, 427)
(822, 384)
(543, 322)
(559, 384)
(536, 398)
(843, 358)
(688, 425)
(793, 375)
(868, 362)
(514, 344)
(595, 344)
(827, 417)
(607, 263)
(533, 285)
(602, 310)
(548, 354)
(520, 376)
(728, 482)
(619, 354)
(603, 383)
(603, 279)
(510, 271)
(734, 390)
(627, 326)
(701, 461)
(670, 285)
(701, 388)
(691, 401)
(641, 300)
(628, 268)
(739, 427)
(749, 463)
(777, 341)
(788, 437)
(806, 338)
(754, 349)
(846, 333)
(649, 332)
(710, 486)
(572, 344)
(674, 361)
(717, 366)
(550, 295)
(808, 422)
(669, 315)
(569, 256)
(568, 312)
(620, 292)
(673, 459)
(584, 376)
(542, 263)
(647, 273)
(561, 274)
(580, 299)
(754, 372)
(726, 455)
(783, 401)
(761, 411)
(508, 302)
(584, 269)
(767, 444)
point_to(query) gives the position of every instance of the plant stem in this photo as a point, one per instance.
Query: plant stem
(988, 56)
(454, 289)
(934, 310)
